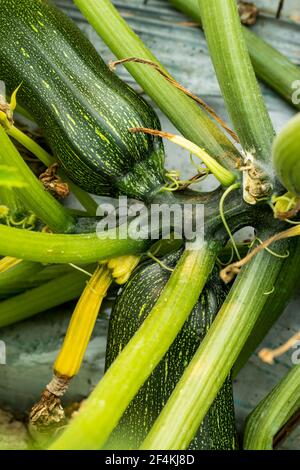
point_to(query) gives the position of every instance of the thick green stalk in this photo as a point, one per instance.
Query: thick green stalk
(187, 117)
(48, 295)
(273, 412)
(30, 145)
(106, 404)
(33, 195)
(27, 274)
(269, 64)
(285, 285)
(8, 198)
(62, 248)
(52, 271)
(274, 68)
(203, 378)
(83, 197)
(241, 92)
(17, 277)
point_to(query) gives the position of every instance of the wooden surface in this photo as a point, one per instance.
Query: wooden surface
(182, 49)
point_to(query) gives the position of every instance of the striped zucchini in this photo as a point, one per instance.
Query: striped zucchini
(85, 109)
(130, 310)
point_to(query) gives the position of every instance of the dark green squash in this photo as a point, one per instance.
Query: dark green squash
(130, 310)
(85, 109)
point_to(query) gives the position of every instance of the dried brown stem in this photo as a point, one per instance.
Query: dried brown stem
(192, 180)
(48, 414)
(208, 109)
(289, 214)
(227, 274)
(155, 132)
(53, 182)
(248, 13)
(268, 355)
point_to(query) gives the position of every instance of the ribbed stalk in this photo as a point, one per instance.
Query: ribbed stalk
(269, 64)
(16, 278)
(241, 93)
(27, 274)
(187, 117)
(106, 404)
(203, 378)
(70, 357)
(84, 198)
(48, 410)
(284, 287)
(61, 248)
(273, 412)
(8, 263)
(286, 151)
(85, 314)
(224, 176)
(48, 295)
(8, 198)
(30, 145)
(273, 67)
(33, 195)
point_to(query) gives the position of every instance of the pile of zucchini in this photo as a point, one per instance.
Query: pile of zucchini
(178, 331)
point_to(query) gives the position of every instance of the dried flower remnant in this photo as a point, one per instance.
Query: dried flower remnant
(53, 182)
(248, 13)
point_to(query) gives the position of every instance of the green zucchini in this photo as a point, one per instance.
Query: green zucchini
(286, 155)
(130, 310)
(85, 110)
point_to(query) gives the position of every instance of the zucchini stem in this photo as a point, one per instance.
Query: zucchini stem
(33, 194)
(241, 93)
(276, 70)
(8, 263)
(108, 401)
(273, 412)
(83, 197)
(224, 176)
(18, 277)
(284, 287)
(39, 299)
(48, 412)
(203, 378)
(65, 248)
